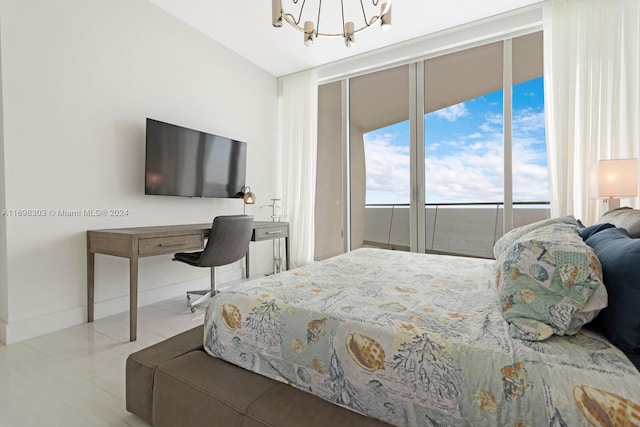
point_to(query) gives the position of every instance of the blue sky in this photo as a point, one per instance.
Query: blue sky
(463, 152)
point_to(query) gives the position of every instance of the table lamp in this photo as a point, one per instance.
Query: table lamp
(614, 180)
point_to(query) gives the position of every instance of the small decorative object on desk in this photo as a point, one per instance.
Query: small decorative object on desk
(277, 249)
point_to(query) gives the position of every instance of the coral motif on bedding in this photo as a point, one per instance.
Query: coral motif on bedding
(416, 340)
(344, 393)
(427, 368)
(265, 323)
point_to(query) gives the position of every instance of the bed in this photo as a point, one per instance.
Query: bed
(422, 340)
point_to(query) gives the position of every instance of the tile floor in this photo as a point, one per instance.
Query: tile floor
(76, 377)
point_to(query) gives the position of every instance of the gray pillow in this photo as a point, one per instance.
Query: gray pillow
(626, 218)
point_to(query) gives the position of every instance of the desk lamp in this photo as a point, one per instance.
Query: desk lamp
(248, 197)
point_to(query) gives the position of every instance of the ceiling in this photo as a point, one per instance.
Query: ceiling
(244, 26)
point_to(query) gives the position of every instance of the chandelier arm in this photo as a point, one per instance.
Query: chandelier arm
(318, 23)
(344, 34)
(377, 2)
(364, 14)
(292, 19)
(387, 7)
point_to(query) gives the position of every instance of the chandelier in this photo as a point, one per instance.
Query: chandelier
(338, 18)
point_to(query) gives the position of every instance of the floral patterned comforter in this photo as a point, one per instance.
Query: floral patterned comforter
(417, 340)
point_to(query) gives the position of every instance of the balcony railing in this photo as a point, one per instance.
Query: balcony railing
(469, 229)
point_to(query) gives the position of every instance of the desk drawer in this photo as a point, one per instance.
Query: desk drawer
(271, 232)
(171, 244)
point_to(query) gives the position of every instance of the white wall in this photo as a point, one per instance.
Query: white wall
(3, 223)
(79, 78)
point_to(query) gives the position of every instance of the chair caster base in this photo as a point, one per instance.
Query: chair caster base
(204, 296)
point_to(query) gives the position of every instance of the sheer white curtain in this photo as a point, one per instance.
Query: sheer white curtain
(592, 95)
(298, 131)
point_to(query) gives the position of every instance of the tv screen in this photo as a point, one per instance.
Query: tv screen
(186, 162)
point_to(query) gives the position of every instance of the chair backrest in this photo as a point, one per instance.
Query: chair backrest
(228, 241)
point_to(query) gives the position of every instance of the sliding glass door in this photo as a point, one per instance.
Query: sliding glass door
(441, 155)
(485, 149)
(379, 159)
(464, 150)
(529, 159)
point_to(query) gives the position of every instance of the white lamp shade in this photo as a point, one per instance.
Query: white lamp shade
(614, 179)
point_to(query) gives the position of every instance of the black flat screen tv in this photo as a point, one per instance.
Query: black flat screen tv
(186, 162)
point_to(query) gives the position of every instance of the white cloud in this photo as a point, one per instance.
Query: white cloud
(453, 112)
(477, 146)
(492, 123)
(387, 170)
(528, 122)
(530, 178)
(472, 173)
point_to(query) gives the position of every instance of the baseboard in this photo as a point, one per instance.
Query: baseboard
(19, 331)
(152, 296)
(30, 328)
(3, 332)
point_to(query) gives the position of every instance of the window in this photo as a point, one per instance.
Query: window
(445, 182)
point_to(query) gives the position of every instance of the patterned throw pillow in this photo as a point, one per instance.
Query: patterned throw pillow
(549, 282)
(510, 237)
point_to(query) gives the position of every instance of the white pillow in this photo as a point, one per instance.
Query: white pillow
(626, 218)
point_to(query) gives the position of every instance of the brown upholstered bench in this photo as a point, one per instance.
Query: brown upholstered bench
(176, 383)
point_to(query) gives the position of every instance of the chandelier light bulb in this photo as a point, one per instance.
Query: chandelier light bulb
(276, 13)
(349, 36)
(309, 33)
(385, 16)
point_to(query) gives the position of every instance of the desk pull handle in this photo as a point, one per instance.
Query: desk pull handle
(273, 232)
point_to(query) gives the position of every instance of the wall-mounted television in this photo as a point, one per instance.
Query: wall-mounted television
(186, 162)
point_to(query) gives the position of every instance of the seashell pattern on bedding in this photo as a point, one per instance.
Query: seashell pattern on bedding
(604, 409)
(417, 340)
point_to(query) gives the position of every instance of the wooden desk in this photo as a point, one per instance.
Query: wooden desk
(139, 242)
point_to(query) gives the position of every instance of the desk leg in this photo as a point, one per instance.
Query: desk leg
(246, 261)
(286, 251)
(133, 298)
(91, 259)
